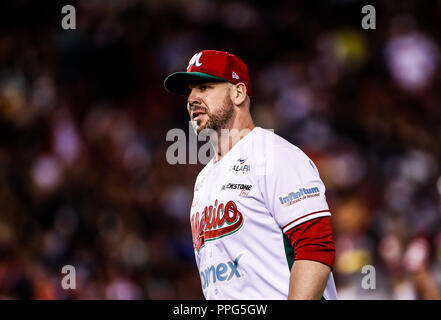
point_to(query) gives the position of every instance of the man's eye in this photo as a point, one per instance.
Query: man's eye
(203, 88)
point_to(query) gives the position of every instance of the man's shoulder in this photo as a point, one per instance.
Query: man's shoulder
(202, 175)
(269, 143)
(272, 154)
(204, 170)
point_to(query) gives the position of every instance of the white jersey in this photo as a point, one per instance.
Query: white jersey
(242, 206)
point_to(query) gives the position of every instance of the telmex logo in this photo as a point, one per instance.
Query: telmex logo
(221, 272)
(216, 222)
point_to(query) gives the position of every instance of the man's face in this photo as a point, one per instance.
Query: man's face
(209, 105)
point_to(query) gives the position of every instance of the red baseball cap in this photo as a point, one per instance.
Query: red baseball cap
(209, 66)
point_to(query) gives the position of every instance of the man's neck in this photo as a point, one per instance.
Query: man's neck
(232, 133)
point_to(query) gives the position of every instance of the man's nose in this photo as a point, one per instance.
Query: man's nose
(193, 98)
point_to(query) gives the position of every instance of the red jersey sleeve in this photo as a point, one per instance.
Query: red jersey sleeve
(313, 240)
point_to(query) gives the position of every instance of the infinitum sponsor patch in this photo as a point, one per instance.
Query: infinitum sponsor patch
(297, 196)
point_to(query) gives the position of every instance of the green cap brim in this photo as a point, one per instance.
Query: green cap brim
(179, 82)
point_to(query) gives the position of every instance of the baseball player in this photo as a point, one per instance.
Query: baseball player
(260, 221)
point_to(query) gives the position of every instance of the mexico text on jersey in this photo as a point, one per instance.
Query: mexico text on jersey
(215, 222)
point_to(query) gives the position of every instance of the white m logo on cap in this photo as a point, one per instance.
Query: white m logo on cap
(195, 60)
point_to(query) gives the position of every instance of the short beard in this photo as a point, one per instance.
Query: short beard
(219, 120)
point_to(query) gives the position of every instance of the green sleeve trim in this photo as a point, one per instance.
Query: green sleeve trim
(289, 251)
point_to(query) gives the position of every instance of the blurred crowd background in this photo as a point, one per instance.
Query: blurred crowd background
(84, 179)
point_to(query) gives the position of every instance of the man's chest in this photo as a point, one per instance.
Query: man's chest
(224, 200)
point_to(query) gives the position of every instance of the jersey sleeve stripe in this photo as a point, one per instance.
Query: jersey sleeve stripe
(306, 217)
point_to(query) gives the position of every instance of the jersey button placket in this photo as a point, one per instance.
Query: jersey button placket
(209, 190)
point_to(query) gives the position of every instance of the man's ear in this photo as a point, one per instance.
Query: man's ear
(238, 94)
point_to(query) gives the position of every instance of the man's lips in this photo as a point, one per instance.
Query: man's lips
(195, 114)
